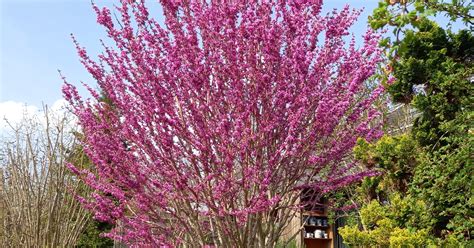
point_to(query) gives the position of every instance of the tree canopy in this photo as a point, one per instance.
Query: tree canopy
(217, 119)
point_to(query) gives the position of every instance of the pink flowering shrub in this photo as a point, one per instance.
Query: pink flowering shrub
(204, 129)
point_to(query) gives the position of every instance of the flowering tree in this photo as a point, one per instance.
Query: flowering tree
(213, 122)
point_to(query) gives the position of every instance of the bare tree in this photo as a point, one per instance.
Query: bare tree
(37, 206)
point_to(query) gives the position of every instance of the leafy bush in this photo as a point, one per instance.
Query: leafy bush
(423, 195)
(390, 225)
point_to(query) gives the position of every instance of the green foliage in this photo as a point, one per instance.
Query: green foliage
(353, 237)
(433, 207)
(445, 181)
(395, 156)
(401, 15)
(291, 244)
(398, 223)
(441, 63)
(91, 235)
(424, 195)
(405, 238)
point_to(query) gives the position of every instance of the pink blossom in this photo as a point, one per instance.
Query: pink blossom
(208, 126)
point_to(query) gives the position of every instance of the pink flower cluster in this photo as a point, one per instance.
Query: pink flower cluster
(221, 114)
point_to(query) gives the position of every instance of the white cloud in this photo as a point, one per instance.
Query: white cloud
(59, 105)
(13, 113)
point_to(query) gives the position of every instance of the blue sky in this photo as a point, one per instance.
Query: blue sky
(35, 42)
